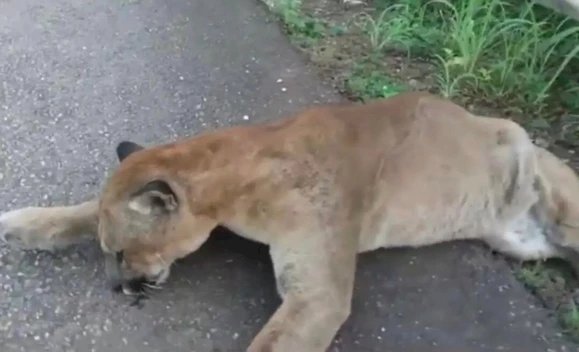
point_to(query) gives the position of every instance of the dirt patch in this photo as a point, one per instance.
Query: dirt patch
(346, 52)
(330, 35)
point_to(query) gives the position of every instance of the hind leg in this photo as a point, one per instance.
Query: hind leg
(525, 239)
(49, 228)
(559, 205)
(525, 247)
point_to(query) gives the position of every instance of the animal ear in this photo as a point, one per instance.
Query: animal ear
(126, 148)
(155, 198)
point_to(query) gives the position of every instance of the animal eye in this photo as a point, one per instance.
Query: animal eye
(120, 256)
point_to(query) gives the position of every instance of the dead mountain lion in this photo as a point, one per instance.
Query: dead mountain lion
(318, 188)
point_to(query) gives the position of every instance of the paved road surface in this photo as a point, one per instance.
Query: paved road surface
(79, 75)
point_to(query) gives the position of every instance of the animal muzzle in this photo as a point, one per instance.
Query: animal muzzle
(118, 280)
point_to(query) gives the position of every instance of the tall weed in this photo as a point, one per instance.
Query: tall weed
(493, 49)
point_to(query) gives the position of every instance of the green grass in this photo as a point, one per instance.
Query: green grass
(511, 54)
(508, 53)
(570, 321)
(367, 82)
(304, 30)
(537, 275)
(554, 285)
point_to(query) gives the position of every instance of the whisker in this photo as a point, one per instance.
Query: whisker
(161, 259)
(152, 286)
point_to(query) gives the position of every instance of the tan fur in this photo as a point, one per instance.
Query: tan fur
(320, 188)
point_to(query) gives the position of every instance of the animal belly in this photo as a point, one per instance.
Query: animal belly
(424, 224)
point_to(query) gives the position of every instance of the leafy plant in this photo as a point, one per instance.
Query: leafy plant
(493, 49)
(298, 25)
(368, 83)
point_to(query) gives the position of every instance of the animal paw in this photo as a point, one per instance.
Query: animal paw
(28, 228)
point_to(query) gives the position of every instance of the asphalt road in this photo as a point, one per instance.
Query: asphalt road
(77, 76)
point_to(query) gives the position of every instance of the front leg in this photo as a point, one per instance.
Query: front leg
(315, 277)
(51, 227)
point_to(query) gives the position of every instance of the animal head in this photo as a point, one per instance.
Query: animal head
(145, 221)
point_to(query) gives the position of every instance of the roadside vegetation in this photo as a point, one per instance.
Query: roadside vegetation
(506, 58)
(492, 49)
(555, 285)
(516, 58)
